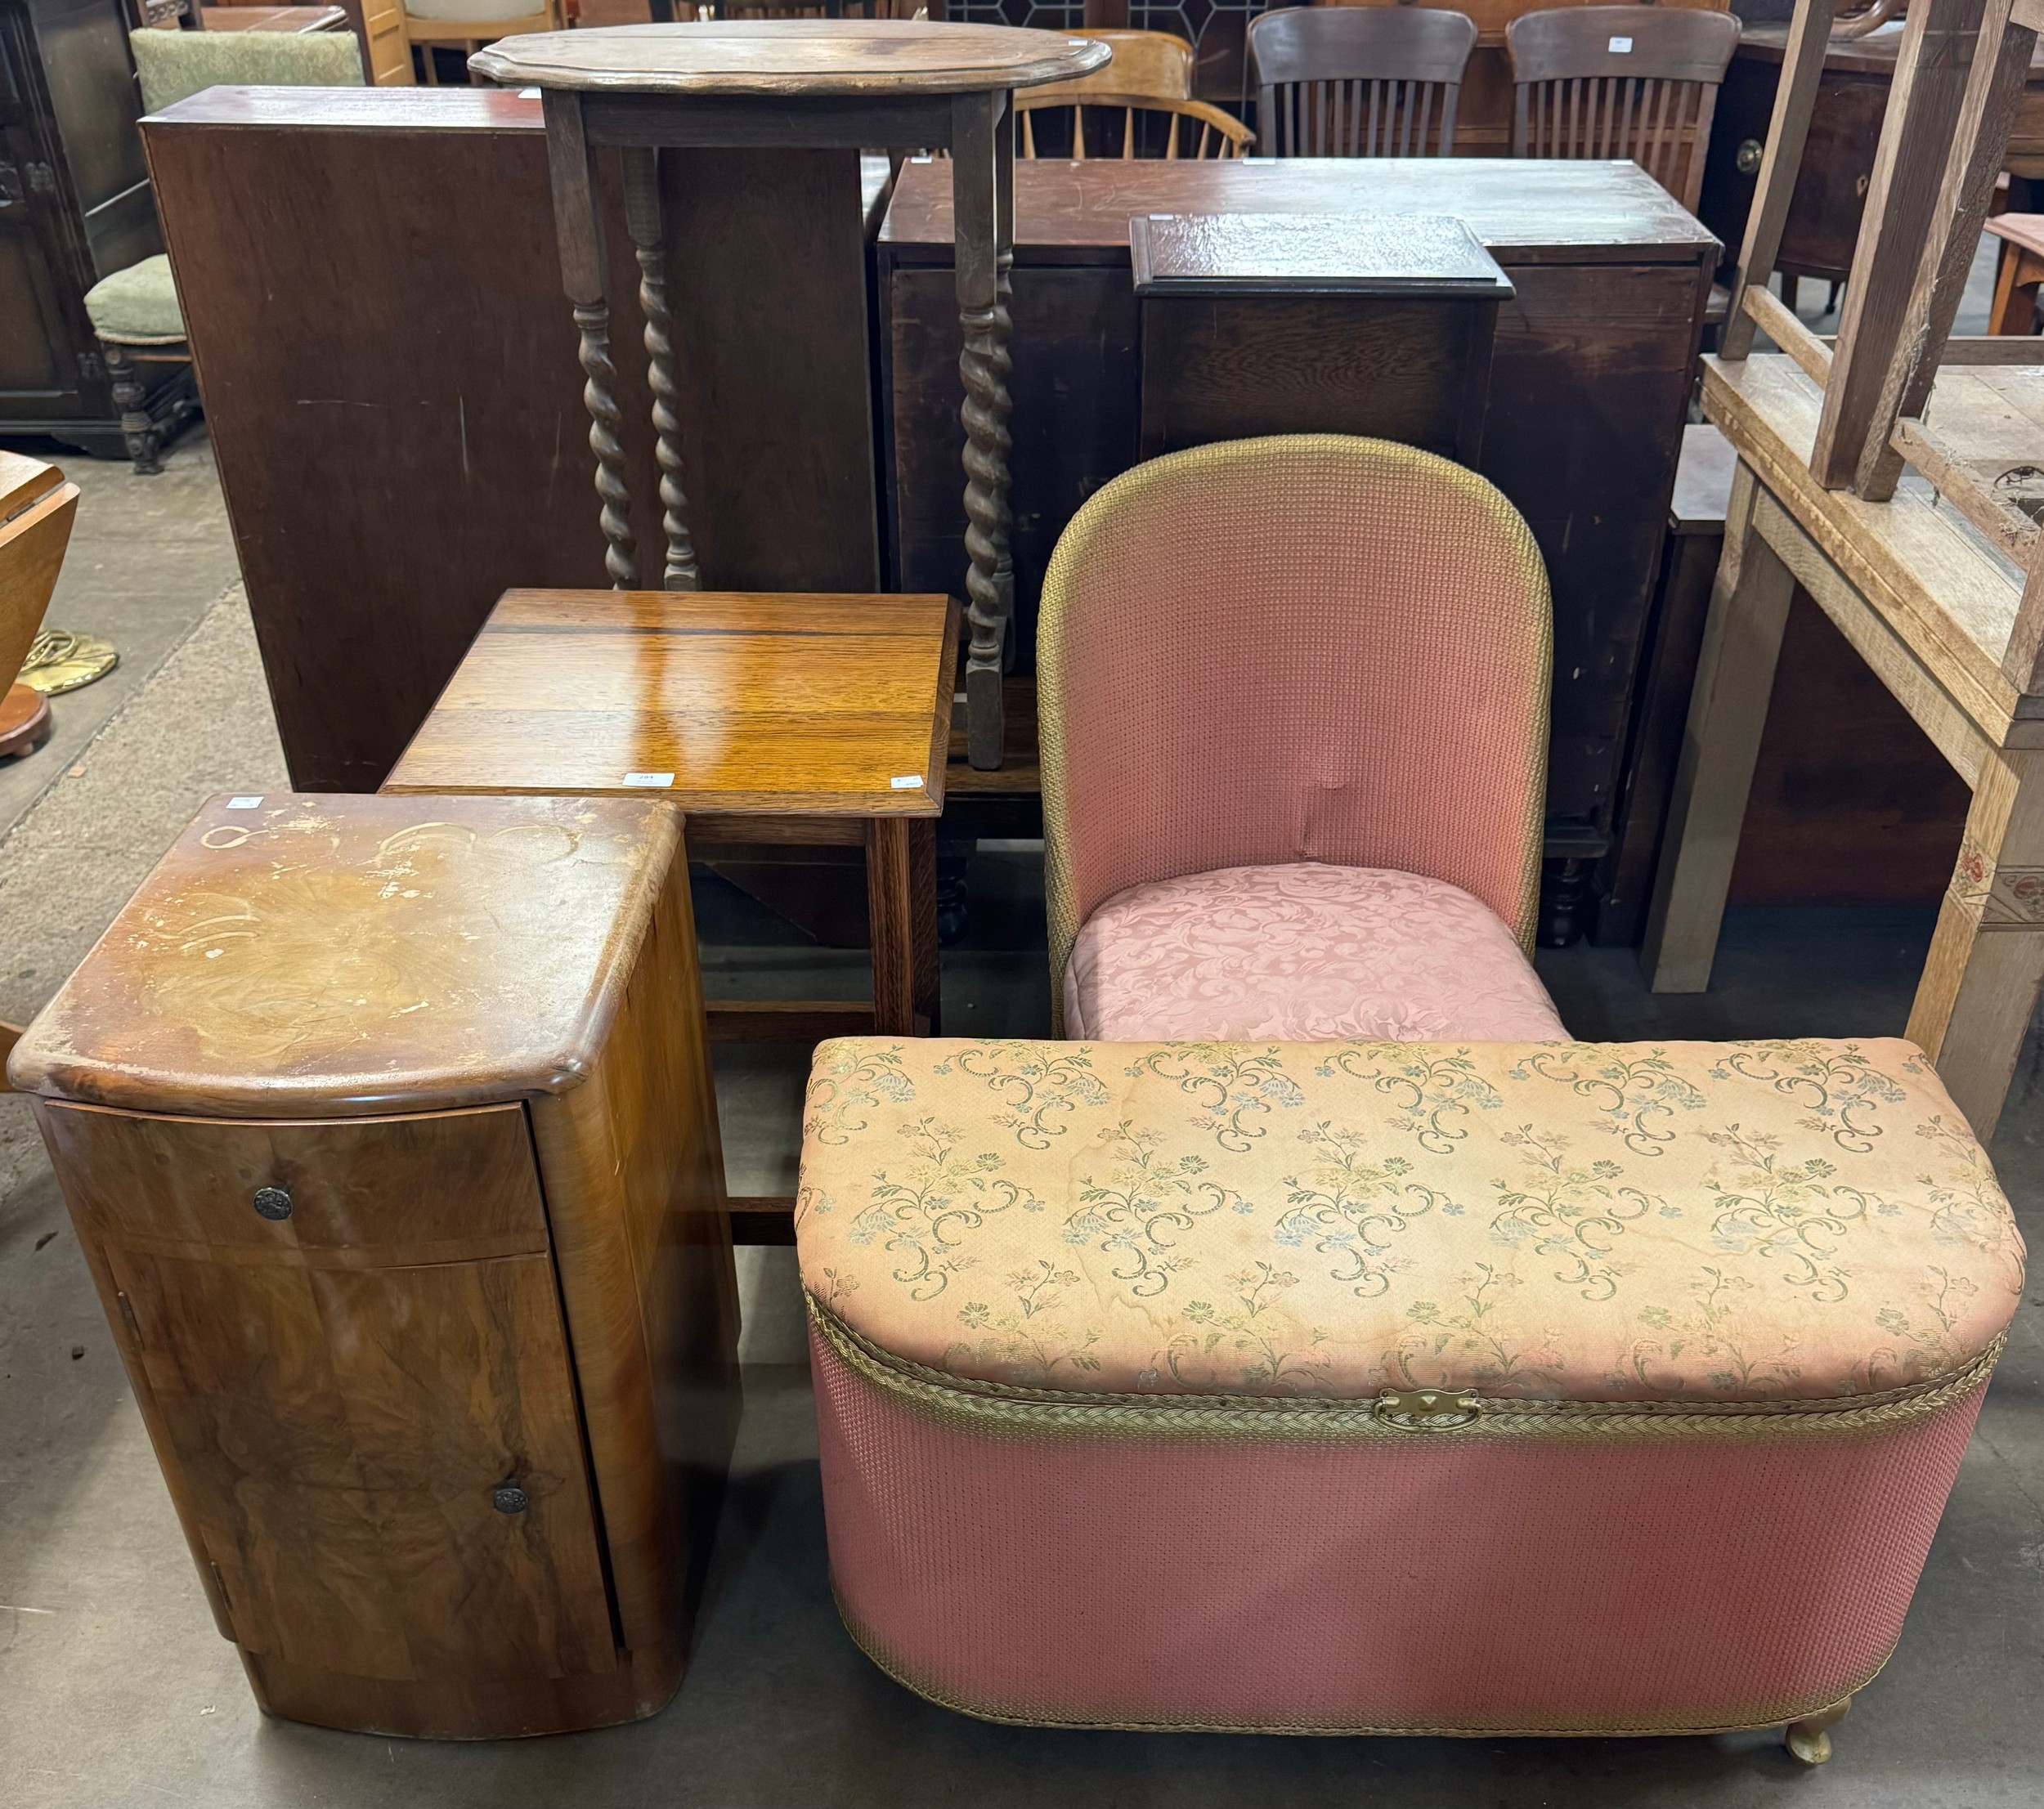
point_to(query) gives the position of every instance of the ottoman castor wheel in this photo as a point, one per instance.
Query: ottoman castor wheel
(1809, 1738)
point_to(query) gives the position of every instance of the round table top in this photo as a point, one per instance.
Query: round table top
(790, 57)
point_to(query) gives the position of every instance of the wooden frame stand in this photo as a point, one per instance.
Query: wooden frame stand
(1914, 539)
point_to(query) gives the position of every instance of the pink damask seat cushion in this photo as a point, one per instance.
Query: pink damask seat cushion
(1303, 952)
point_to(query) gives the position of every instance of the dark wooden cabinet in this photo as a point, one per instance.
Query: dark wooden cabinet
(1590, 377)
(75, 205)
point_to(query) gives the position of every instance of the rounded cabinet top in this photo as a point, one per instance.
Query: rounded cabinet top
(790, 57)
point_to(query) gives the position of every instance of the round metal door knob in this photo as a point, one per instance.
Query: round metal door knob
(1747, 158)
(271, 1202)
(506, 1497)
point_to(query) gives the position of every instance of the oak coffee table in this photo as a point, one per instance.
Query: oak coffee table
(804, 720)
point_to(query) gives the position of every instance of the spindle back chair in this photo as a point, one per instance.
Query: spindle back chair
(1621, 82)
(1359, 81)
(1192, 128)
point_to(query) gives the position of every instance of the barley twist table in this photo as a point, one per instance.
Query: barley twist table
(895, 85)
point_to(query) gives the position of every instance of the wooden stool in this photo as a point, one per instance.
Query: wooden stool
(896, 85)
(387, 1128)
(813, 720)
(2018, 273)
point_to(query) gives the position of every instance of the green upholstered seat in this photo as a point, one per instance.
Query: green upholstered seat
(138, 305)
(175, 63)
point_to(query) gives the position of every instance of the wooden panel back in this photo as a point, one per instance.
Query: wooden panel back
(339, 1436)
(1359, 81)
(1621, 82)
(362, 1191)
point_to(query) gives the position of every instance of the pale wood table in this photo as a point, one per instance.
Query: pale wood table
(805, 720)
(1930, 602)
(870, 84)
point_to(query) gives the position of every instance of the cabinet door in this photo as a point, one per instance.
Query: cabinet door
(344, 1436)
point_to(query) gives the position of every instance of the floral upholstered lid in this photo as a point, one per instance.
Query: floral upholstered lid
(1729, 1222)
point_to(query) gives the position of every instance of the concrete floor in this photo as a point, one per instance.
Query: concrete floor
(114, 1689)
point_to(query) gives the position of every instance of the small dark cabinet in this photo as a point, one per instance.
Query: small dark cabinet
(75, 205)
(1348, 323)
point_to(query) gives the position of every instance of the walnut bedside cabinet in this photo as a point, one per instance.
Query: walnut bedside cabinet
(387, 1126)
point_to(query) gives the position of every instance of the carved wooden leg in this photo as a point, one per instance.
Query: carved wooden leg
(1809, 1738)
(983, 364)
(649, 237)
(1981, 977)
(9, 1035)
(901, 904)
(579, 227)
(131, 396)
(1728, 710)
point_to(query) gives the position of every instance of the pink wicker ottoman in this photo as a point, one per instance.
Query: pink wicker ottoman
(1392, 1388)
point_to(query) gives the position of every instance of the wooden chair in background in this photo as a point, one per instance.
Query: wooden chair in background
(37, 506)
(1621, 82)
(1359, 81)
(466, 26)
(1149, 80)
(1149, 126)
(134, 311)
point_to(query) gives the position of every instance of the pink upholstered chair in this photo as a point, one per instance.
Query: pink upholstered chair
(1293, 697)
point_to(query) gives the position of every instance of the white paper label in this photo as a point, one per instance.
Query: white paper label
(1620, 46)
(653, 782)
(906, 781)
(243, 803)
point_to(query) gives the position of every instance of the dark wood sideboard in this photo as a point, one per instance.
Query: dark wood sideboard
(74, 207)
(1590, 379)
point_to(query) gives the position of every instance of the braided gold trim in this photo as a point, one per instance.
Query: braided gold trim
(1070, 553)
(1797, 1708)
(1002, 1410)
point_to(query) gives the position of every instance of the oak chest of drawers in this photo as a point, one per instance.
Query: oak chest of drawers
(387, 1128)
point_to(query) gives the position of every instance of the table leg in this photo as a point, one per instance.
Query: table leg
(978, 122)
(1981, 977)
(1727, 711)
(579, 226)
(642, 218)
(901, 896)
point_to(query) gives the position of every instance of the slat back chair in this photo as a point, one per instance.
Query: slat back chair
(1190, 128)
(1359, 81)
(1621, 82)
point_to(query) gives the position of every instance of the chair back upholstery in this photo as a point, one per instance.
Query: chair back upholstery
(174, 65)
(1618, 82)
(1129, 126)
(1309, 648)
(1157, 64)
(1359, 81)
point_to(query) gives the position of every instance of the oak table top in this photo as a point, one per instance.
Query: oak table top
(770, 57)
(722, 702)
